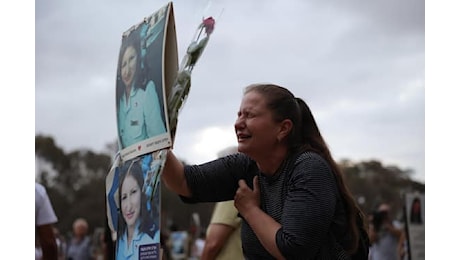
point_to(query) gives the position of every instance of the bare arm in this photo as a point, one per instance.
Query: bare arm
(174, 177)
(372, 234)
(401, 245)
(388, 225)
(215, 239)
(394, 230)
(47, 241)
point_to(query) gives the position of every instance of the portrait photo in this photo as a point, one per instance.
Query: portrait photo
(141, 106)
(138, 228)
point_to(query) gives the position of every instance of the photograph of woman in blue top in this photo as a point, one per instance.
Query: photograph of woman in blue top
(284, 181)
(139, 108)
(136, 226)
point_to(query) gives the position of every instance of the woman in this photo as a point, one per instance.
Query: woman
(285, 183)
(138, 105)
(137, 226)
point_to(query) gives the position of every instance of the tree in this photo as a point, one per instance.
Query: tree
(372, 183)
(77, 185)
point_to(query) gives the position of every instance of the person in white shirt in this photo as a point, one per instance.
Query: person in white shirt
(45, 217)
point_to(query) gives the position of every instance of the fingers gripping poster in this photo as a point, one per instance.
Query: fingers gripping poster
(147, 66)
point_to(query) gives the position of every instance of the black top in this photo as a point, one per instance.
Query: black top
(302, 196)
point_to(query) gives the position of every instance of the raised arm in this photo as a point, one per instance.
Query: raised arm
(173, 175)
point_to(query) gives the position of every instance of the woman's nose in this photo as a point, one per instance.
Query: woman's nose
(239, 123)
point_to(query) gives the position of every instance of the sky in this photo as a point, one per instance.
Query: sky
(359, 65)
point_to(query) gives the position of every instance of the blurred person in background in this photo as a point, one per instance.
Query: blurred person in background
(223, 240)
(79, 246)
(179, 243)
(99, 246)
(384, 234)
(198, 245)
(61, 244)
(45, 217)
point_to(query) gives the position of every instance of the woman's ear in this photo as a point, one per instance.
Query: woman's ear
(285, 128)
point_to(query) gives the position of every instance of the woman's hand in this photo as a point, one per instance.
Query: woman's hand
(247, 199)
(247, 202)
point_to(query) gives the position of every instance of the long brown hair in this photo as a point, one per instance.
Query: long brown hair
(305, 136)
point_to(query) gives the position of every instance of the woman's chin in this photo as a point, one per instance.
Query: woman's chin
(244, 148)
(130, 222)
(241, 147)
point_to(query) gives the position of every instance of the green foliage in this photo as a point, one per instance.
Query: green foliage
(47, 149)
(77, 188)
(372, 183)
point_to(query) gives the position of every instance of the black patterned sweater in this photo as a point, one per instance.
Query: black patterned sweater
(302, 196)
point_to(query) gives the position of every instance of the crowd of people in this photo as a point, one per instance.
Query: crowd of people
(80, 245)
(51, 244)
(219, 240)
